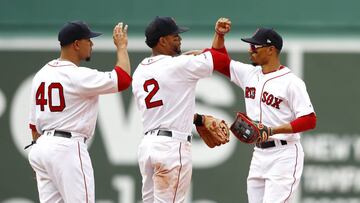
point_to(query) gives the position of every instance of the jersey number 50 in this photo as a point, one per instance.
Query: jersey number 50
(151, 104)
(40, 97)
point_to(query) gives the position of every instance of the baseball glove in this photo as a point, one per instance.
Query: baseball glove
(249, 131)
(213, 131)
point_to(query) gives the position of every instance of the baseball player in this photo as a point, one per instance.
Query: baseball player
(164, 90)
(64, 107)
(277, 98)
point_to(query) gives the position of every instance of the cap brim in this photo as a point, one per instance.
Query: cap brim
(251, 41)
(94, 34)
(182, 29)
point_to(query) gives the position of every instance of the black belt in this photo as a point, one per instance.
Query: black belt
(167, 133)
(64, 134)
(57, 133)
(269, 144)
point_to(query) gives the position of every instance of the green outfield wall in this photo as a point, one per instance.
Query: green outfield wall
(329, 17)
(332, 151)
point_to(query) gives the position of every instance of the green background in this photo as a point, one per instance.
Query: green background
(332, 83)
(326, 34)
(321, 17)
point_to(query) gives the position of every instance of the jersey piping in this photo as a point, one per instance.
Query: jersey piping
(178, 179)
(296, 162)
(82, 171)
(263, 90)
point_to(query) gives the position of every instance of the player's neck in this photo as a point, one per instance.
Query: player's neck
(65, 57)
(271, 67)
(160, 51)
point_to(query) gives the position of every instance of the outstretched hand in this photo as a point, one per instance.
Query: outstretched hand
(222, 26)
(120, 35)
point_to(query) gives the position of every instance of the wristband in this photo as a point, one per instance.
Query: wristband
(198, 120)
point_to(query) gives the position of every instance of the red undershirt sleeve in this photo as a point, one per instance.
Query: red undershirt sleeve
(123, 78)
(221, 62)
(304, 123)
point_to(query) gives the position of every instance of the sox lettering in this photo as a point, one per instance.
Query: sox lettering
(271, 100)
(267, 98)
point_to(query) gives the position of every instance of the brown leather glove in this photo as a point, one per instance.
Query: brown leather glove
(213, 131)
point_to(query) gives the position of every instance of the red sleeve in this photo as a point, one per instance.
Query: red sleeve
(304, 123)
(124, 79)
(221, 50)
(221, 62)
(32, 127)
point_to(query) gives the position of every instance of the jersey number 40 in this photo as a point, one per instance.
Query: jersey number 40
(40, 97)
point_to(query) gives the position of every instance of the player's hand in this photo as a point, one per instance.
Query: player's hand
(222, 26)
(120, 35)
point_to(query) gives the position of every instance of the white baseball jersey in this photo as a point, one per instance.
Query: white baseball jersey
(164, 90)
(65, 97)
(274, 98)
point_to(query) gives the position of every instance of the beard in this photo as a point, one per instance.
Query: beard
(88, 58)
(177, 50)
(254, 64)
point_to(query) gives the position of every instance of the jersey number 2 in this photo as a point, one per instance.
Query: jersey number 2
(151, 104)
(40, 97)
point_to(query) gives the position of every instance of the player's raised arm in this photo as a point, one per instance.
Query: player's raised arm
(221, 59)
(121, 42)
(222, 26)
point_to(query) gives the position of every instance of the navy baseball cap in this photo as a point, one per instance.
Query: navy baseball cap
(75, 30)
(264, 36)
(159, 27)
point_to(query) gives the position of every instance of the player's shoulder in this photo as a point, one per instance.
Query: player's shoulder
(60, 63)
(162, 62)
(239, 64)
(53, 66)
(185, 58)
(242, 68)
(286, 74)
(206, 55)
(293, 79)
(290, 74)
(154, 60)
(67, 66)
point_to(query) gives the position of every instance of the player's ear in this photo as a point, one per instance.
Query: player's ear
(76, 44)
(272, 50)
(162, 41)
